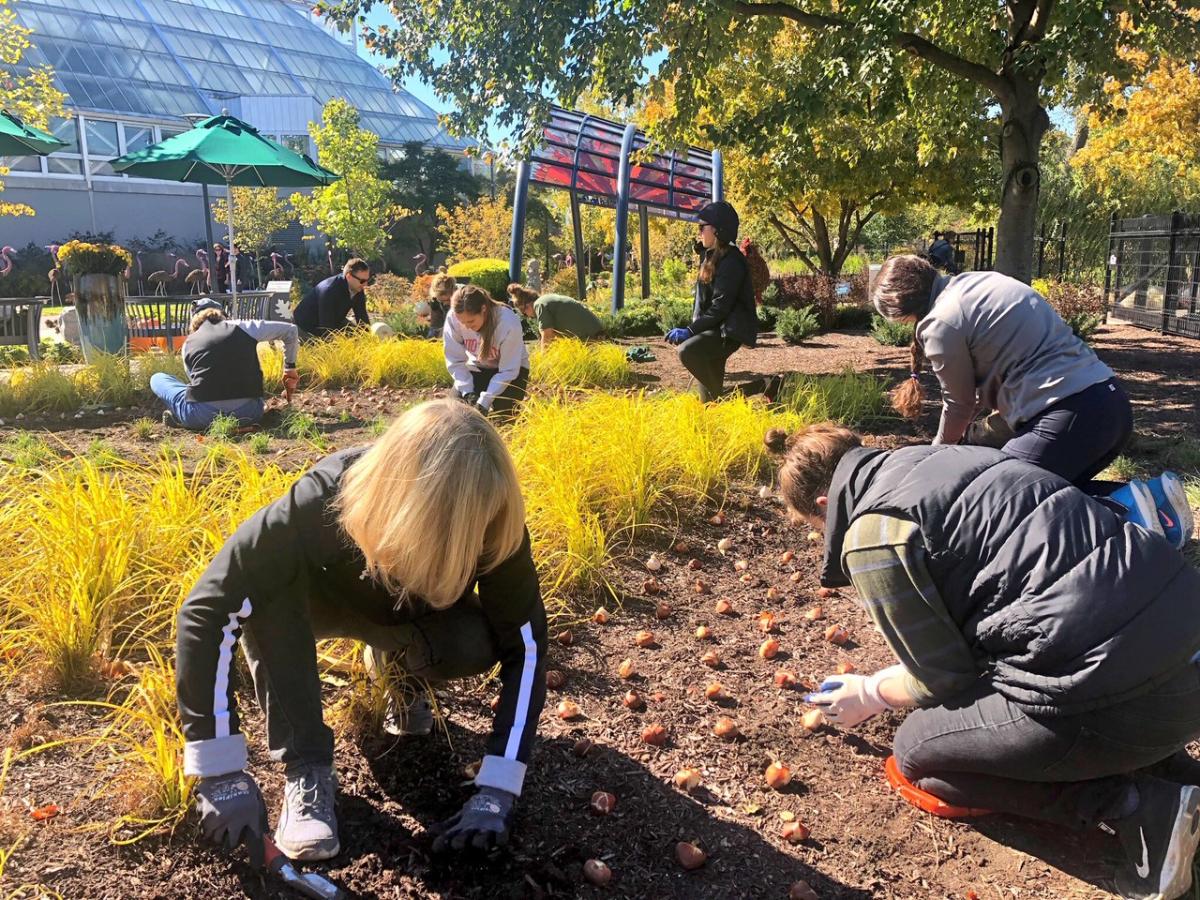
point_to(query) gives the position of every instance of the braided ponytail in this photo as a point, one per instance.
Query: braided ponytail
(908, 397)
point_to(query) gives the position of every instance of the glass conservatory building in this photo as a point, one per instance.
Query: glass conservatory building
(133, 70)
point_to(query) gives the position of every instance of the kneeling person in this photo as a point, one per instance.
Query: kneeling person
(1049, 646)
(220, 357)
(415, 546)
(556, 314)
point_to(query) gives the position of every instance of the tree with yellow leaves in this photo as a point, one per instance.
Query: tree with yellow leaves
(1142, 153)
(31, 96)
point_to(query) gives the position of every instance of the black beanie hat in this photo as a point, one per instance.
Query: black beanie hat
(723, 217)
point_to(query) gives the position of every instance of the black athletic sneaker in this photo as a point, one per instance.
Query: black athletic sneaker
(1159, 840)
(773, 387)
(168, 419)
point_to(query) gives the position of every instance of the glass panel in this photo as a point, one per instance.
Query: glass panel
(101, 167)
(137, 137)
(21, 163)
(166, 132)
(63, 165)
(297, 143)
(66, 130)
(102, 139)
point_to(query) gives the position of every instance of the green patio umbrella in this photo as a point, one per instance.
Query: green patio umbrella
(19, 139)
(224, 150)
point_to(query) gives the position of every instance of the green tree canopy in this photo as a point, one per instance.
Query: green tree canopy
(508, 61)
(423, 179)
(356, 211)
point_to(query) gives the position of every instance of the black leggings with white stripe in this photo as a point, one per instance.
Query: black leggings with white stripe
(438, 646)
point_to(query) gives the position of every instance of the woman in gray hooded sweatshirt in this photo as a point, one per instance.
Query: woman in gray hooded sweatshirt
(995, 343)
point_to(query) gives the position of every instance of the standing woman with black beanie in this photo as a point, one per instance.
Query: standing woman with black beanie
(723, 318)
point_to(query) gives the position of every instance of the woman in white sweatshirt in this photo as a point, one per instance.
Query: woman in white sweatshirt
(485, 351)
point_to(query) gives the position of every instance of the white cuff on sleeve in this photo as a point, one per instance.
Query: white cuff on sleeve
(216, 756)
(499, 772)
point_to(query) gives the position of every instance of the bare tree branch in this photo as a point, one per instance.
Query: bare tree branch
(904, 40)
(787, 239)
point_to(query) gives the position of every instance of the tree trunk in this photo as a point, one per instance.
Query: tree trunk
(1025, 122)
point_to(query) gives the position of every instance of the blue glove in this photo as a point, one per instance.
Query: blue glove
(678, 335)
(482, 823)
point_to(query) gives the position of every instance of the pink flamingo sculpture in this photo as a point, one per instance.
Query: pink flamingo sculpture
(160, 278)
(329, 254)
(276, 268)
(422, 264)
(199, 278)
(6, 260)
(54, 274)
(141, 282)
(287, 258)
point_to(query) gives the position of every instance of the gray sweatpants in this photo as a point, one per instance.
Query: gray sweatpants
(281, 650)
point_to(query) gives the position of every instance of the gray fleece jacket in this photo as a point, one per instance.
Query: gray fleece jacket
(994, 343)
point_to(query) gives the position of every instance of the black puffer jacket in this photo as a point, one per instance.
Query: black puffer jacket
(727, 303)
(1067, 607)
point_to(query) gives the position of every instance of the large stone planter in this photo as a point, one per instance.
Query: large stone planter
(100, 303)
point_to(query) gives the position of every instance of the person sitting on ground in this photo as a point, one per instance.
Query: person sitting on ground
(220, 357)
(556, 314)
(994, 343)
(1049, 646)
(485, 351)
(323, 310)
(415, 546)
(432, 313)
(723, 318)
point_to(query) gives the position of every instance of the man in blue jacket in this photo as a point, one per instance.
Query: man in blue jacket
(323, 309)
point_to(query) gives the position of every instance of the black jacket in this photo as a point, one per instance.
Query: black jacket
(1067, 607)
(727, 303)
(221, 360)
(323, 309)
(294, 547)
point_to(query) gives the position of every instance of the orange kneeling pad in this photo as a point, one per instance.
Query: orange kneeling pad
(923, 799)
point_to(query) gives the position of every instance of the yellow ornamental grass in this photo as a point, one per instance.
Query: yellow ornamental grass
(572, 364)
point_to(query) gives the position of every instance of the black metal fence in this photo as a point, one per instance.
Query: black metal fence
(1050, 255)
(1152, 276)
(973, 249)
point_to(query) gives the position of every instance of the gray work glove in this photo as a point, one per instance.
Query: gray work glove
(232, 812)
(482, 823)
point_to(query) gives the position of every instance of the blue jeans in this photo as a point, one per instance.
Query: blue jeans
(195, 415)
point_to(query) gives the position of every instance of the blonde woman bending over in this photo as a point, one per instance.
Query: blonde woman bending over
(417, 547)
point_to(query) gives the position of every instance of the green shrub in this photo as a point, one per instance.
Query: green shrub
(639, 320)
(767, 317)
(796, 325)
(892, 334)
(388, 295)
(143, 428)
(403, 321)
(770, 294)
(59, 352)
(489, 274)
(674, 314)
(1081, 306)
(851, 316)
(27, 451)
(260, 443)
(674, 270)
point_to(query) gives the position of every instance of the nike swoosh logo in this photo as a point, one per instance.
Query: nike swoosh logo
(1144, 868)
(1167, 521)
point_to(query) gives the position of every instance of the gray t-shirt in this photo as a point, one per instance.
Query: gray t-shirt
(994, 343)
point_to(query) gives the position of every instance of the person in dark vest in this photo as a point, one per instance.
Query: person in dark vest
(994, 343)
(323, 310)
(220, 357)
(941, 253)
(1048, 647)
(723, 316)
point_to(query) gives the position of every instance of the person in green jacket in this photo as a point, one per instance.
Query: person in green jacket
(556, 314)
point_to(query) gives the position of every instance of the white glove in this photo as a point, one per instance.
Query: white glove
(849, 700)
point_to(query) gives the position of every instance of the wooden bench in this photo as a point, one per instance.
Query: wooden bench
(21, 324)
